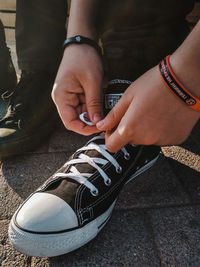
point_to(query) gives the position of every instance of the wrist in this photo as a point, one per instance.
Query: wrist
(88, 32)
(187, 71)
(80, 40)
(185, 62)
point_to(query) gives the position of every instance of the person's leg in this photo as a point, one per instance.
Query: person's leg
(138, 37)
(31, 115)
(8, 77)
(40, 32)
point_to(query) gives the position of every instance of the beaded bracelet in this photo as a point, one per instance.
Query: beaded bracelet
(176, 86)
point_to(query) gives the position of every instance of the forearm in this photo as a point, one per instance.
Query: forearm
(81, 19)
(185, 62)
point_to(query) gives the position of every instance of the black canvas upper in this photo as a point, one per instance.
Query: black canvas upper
(86, 206)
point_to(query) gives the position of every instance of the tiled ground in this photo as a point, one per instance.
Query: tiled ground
(155, 222)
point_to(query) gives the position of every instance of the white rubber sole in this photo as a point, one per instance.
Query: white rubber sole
(50, 245)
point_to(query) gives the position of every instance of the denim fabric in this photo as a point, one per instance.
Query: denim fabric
(133, 13)
(40, 32)
(40, 26)
(138, 34)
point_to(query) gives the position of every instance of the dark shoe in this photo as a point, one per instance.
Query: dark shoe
(72, 207)
(31, 114)
(8, 78)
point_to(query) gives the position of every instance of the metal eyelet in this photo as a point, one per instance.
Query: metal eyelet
(119, 169)
(127, 156)
(146, 161)
(137, 168)
(108, 182)
(94, 192)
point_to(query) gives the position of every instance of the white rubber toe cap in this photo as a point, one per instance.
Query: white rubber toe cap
(45, 212)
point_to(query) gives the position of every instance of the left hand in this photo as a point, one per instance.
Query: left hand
(78, 88)
(148, 113)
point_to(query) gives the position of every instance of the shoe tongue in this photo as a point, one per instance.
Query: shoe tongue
(114, 92)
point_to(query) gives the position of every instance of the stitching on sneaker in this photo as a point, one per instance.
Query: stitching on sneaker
(114, 187)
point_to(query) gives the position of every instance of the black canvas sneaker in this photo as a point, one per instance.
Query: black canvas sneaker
(73, 205)
(31, 114)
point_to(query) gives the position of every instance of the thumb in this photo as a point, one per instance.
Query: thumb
(94, 101)
(114, 117)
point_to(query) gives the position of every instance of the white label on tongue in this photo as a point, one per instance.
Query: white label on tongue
(111, 100)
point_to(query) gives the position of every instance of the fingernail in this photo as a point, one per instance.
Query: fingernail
(97, 117)
(100, 124)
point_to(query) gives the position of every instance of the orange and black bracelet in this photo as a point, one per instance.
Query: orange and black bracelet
(176, 86)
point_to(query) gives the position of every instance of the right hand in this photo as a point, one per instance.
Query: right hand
(78, 88)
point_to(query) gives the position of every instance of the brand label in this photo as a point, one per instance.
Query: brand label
(111, 100)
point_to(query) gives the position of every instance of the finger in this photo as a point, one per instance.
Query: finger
(85, 130)
(115, 140)
(82, 98)
(73, 122)
(69, 108)
(132, 130)
(115, 115)
(94, 99)
(66, 104)
(70, 118)
(123, 133)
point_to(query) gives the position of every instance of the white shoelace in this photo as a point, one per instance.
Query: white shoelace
(82, 178)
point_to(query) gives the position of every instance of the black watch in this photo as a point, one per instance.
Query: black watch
(78, 39)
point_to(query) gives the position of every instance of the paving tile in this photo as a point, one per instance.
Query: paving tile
(21, 175)
(186, 154)
(8, 256)
(195, 135)
(42, 148)
(177, 235)
(189, 178)
(125, 241)
(158, 186)
(66, 141)
(185, 163)
(40, 262)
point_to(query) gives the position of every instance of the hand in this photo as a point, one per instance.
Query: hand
(78, 88)
(149, 114)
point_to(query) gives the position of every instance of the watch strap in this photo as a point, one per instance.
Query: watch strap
(79, 39)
